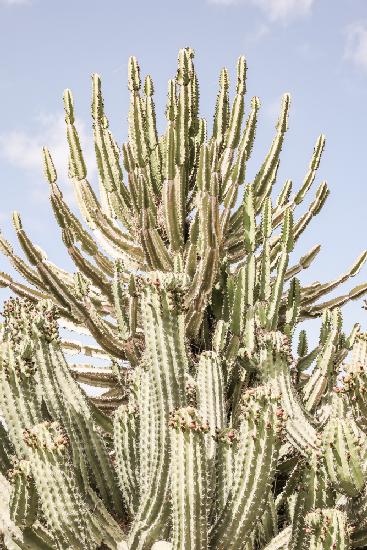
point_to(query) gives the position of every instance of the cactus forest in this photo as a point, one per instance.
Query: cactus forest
(196, 417)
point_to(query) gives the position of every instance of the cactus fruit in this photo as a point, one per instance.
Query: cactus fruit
(200, 420)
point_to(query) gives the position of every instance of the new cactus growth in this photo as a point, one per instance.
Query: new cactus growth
(214, 426)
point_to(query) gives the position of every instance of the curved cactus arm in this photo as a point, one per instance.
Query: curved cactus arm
(325, 371)
(189, 480)
(20, 265)
(82, 423)
(65, 218)
(52, 377)
(23, 504)
(21, 290)
(256, 458)
(299, 425)
(267, 168)
(344, 449)
(97, 326)
(95, 275)
(126, 434)
(314, 165)
(62, 504)
(93, 376)
(107, 154)
(304, 263)
(327, 529)
(318, 309)
(316, 292)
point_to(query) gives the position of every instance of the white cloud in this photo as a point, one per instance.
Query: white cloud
(275, 10)
(24, 149)
(356, 44)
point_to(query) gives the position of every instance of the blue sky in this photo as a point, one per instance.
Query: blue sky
(314, 49)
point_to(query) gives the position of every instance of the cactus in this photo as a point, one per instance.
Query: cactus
(200, 419)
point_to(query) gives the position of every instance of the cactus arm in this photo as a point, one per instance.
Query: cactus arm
(280, 541)
(283, 197)
(126, 433)
(248, 136)
(210, 391)
(277, 287)
(166, 356)
(316, 292)
(267, 168)
(327, 529)
(317, 310)
(342, 450)
(298, 424)
(108, 158)
(225, 453)
(189, 482)
(221, 116)
(304, 263)
(20, 265)
(65, 218)
(256, 459)
(23, 503)
(314, 165)
(324, 372)
(62, 504)
(93, 273)
(21, 290)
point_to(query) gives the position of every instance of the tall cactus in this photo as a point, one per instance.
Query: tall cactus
(210, 424)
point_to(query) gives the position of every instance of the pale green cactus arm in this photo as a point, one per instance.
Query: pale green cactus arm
(126, 435)
(255, 463)
(163, 321)
(327, 529)
(324, 374)
(345, 449)
(210, 394)
(23, 503)
(57, 487)
(189, 480)
(299, 425)
(314, 165)
(314, 491)
(261, 179)
(316, 292)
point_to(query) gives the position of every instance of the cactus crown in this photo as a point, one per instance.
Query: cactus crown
(208, 430)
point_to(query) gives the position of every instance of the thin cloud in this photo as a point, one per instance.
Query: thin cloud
(356, 44)
(25, 148)
(275, 10)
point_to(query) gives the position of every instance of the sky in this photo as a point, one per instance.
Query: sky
(314, 49)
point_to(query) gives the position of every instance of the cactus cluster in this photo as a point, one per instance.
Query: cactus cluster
(214, 426)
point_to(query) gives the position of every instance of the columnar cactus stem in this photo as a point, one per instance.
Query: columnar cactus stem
(189, 480)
